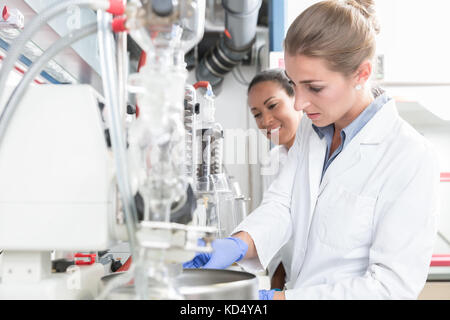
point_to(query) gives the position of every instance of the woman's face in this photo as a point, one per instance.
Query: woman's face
(274, 112)
(325, 96)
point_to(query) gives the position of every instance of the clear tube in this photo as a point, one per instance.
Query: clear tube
(217, 149)
(122, 66)
(190, 125)
(108, 67)
(199, 25)
(159, 131)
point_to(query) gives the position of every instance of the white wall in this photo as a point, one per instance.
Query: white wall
(293, 8)
(413, 37)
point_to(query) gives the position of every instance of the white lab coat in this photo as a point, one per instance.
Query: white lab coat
(366, 231)
(277, 159)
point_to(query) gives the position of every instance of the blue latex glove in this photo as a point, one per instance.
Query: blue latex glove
(266, 294)
(225, 253)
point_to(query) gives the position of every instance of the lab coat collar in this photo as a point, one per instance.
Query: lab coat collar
(377, 129)
(373, 133)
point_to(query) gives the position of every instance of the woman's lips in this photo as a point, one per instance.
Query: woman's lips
(313, 116)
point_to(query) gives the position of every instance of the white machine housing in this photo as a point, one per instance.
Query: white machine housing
(57, 189)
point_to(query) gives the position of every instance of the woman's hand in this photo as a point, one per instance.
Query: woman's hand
(271, 295)
(244, 236)
(225, 253)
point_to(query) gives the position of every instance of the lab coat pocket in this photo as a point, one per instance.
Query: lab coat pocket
(345, 218)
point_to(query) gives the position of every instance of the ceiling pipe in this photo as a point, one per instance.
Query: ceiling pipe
(241, 18)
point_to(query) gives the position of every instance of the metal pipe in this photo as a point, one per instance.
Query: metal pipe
(241, 19)
(240, 25)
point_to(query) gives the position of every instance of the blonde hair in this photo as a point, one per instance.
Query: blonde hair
(340, 32)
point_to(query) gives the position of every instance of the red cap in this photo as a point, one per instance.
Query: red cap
(201, 84)
(5, 13)
(119, 24)
(116, 7)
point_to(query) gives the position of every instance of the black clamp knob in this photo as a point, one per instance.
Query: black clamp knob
(162, 8)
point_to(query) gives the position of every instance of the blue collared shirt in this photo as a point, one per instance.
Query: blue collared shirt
(349, 132)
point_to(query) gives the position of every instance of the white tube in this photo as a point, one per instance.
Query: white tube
(122, 69)
(122, 65)
(33, 26)
(110, 88)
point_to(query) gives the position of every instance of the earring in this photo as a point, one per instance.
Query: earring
(358, 87)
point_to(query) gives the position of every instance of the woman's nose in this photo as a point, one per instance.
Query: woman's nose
(301, 103)
(267, 119)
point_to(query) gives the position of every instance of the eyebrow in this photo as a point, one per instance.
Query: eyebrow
(302, 82)
(309, 81)
(267, 100)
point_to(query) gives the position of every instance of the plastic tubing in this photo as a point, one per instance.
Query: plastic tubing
(122, 71)
(110, 88)
(35, 69)
(33, 26)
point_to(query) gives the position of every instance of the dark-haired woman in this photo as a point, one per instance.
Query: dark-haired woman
(271, 100)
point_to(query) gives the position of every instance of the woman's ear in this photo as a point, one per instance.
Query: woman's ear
(363, 73)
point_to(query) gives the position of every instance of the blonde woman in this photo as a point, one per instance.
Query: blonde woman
(359, 190)
(271, 101)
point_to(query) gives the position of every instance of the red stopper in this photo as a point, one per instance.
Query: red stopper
(116, 7)
(201, 84)
(119, 24)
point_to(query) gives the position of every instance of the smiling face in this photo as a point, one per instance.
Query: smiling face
(325, 96)
(274, 112)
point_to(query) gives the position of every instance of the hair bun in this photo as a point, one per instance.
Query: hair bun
(367, 9)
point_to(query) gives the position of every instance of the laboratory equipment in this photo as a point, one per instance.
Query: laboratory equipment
(204, 284)
(219, 200)
(83, 170)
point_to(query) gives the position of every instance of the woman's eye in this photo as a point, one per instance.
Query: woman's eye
(257, 115)
(315, 89)
(272, 106)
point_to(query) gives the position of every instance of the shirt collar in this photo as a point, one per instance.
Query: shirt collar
(349, 132)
